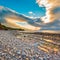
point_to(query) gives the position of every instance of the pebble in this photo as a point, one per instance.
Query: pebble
(22, 48)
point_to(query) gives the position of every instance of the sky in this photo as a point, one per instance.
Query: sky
(48, 12)
(27, 7)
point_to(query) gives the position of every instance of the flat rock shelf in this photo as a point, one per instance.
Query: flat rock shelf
(19, 45)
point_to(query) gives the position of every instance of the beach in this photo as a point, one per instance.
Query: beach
(16, 45)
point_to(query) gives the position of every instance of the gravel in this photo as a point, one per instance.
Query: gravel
(24, 47)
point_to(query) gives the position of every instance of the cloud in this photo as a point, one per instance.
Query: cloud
(52, 10)
(1, 7)
(32, 15)
(30, 12)
(19, 22)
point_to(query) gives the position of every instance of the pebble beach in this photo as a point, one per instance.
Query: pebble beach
(14, 46)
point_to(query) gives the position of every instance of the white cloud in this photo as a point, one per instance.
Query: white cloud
(30, 12)
(31, 15)
(50, 6)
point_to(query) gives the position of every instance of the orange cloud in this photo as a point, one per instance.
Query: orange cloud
(17, 22)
